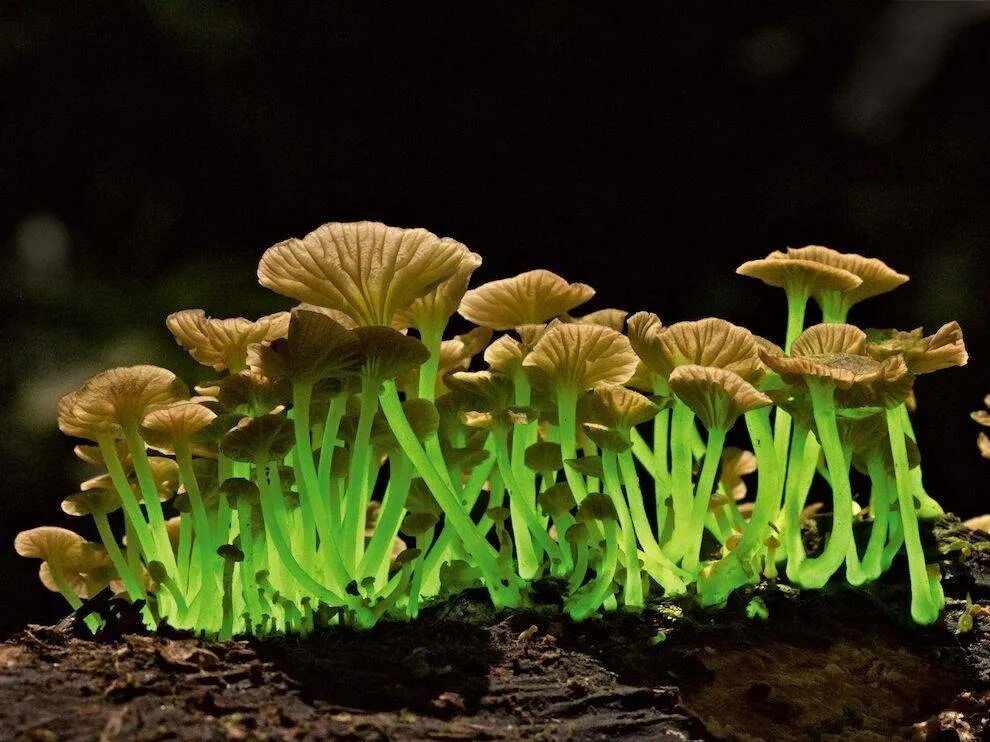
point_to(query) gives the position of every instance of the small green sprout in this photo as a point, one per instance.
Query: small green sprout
(343, 462)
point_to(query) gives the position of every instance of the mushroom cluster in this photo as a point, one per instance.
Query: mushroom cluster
(344, 461)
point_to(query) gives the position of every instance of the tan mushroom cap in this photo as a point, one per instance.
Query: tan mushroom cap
(505, 355)
(95, 501)
(618, 407)
(943, 349)
(367, 270)
(223, 343)
(164, 471)
(48, 543)
(270, 435)
(316, 347)
(716, 395)
(876, 277)
(711, 342)
(529, 298)
(793, 274)
(580, 356)
(116, 398)
(436, 307)
(736, 463)
(610, 317)
(836, 353)
(177, 424)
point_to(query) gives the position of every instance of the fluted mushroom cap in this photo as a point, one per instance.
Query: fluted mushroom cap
(177, 424)
(836, 353)
(711, 342)
(316, 346)
(116, 398)
(876, 277)
(532, 297)
(716, 395)
(436, 307)
(943, 349)
(223, 343)
(367, 270)
(580, 356)
(793, 274)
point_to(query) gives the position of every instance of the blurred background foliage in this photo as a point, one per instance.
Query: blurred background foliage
(150, 151)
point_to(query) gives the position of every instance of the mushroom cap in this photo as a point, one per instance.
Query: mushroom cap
(223, 343)
(607, 438)
(87, 568)
(249, 393)
(180, 423)
(271, 435)
(388, 353)
(792, 273)
(316, 347)
(483, 391)
(610, 317)
(48, 543)
(876, 277)
(367, 270)
(736, 463)
(116, 398)
(529, 298)
(557, 499)
(417, 524)
(544, 456)
(615, 406)
(164, 471)
(96, 501)
(436, 307)
(505, 354)
(711, 342)
(836, 353)
(943, 349)
(580, 356)
(716, 395)
(597, 506)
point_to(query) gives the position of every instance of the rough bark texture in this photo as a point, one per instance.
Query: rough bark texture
(838, 664)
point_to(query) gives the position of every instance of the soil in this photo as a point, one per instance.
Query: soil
(838, 664)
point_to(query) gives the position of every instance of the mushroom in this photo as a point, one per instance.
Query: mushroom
(599, 509)
(179, 428)
(983, 418)
(367, 270)
(530, 298)
(65, 558)
(110, 406)
(801, 279)
(223, 344)
(573, 358)
(876, 278)
(718, 397)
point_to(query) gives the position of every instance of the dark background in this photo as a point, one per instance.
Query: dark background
(150, 152)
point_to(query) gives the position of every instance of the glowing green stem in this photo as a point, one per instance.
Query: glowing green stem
(357, 495)
(682, 461)
(633, 588)
(591, 598)
(926, 603)
(567, 417)
(146, 480)
(815, 572)
(702, 498)
(480, 550)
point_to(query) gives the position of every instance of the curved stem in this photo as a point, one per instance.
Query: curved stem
(702, 498)
(503, 595)
(815, 572)
(594, 595)
(632, 595)
(926, 602)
